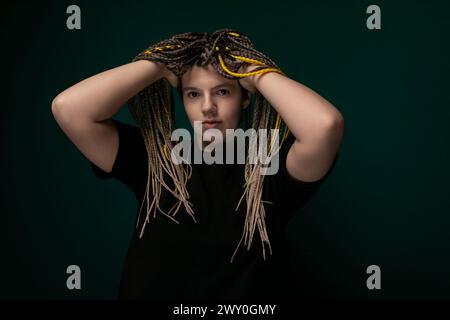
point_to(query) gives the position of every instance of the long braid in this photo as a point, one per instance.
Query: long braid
(226, 50)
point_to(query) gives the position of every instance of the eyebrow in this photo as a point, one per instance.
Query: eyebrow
(215, 87)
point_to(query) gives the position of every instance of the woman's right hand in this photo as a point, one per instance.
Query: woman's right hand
(169, 75)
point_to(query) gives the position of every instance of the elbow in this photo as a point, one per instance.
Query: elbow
(56, 104)
(60, 109)
(335, 128)
(337, 123)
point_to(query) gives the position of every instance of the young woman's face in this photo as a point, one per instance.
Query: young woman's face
(212, 99)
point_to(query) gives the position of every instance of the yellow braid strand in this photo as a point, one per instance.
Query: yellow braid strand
(248, 74)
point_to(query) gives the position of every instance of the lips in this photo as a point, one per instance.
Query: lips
(210, 123)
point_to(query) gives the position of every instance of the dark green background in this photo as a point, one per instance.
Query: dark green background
(386, 202)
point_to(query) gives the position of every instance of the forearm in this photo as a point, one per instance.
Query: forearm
(100, 96)
(308, 116)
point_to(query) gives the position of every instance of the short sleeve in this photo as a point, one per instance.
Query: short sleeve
(287, 192)
(130, 163)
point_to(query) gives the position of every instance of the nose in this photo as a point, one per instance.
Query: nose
(208, 105)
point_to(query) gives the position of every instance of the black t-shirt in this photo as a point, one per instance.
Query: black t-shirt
(192, 260)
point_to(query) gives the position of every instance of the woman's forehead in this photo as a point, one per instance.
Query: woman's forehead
(198, 76)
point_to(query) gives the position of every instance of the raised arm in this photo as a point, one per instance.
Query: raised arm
(316, 124)
(84, 110)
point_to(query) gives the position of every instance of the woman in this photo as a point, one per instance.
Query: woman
(193, 223)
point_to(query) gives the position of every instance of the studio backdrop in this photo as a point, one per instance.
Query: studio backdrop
(381, 217)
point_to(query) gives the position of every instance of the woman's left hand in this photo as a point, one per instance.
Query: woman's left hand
(249, 83)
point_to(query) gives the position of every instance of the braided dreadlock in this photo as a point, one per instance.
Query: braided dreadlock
(226, 50)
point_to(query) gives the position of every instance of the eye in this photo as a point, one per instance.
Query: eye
(224, 90)
(192, 92)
